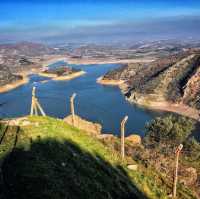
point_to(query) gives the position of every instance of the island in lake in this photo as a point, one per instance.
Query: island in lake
(61, 73)
(19, 60)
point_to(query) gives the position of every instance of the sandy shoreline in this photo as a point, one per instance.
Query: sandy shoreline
(102, 81)
(104, 61)
(9, 87)
(180, 109)
(47, 75)
(85, 61)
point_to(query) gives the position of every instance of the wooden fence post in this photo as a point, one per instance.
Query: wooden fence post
(35, 105)
(177, 152)
(123, 135)
(72, 108)
(33, 102)
(40, 107)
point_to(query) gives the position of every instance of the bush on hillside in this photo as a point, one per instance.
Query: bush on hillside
(170, 130)
(192, 148)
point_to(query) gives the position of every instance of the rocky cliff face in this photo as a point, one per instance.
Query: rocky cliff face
(174, 79)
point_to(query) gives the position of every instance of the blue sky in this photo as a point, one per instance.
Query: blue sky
(100, 20)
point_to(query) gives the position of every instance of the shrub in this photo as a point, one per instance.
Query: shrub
(192, 148)
(171, 130)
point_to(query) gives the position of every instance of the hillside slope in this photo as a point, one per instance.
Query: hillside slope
(174, 79)
(46, 158)
(6, 77)
(42, 157)
(25, 49)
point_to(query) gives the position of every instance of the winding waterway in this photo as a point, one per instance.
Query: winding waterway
(95, 102)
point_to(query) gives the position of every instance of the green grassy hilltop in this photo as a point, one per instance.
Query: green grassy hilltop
(44, 157)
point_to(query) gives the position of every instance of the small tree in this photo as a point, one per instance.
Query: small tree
(192, 148)
(170, 130)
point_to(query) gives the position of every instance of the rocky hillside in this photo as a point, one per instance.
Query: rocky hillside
(25, 56)
(6, 77)
(26, 49)
(174, 79)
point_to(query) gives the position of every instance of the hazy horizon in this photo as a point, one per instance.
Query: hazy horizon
(98, 21)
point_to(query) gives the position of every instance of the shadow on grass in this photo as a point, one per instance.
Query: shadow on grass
(53, 170)
(3, 132)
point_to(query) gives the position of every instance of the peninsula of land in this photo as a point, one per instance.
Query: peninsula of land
(170, 84)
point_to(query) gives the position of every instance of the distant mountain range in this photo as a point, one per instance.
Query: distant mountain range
(26, 49)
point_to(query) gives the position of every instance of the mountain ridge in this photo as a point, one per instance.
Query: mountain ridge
(171, 79)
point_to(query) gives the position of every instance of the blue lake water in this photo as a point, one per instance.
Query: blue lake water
(103, 104)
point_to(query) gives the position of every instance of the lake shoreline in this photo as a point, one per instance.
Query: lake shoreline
(68, 60)
(108, 61)
(16, 84)
(92, 61)
(102, 81)
(180, 109)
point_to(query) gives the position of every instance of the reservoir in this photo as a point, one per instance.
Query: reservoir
(98, 103)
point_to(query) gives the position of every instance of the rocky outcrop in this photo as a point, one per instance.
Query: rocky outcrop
(90, 127)
(134, 140)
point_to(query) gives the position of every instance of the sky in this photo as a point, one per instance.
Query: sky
(98, 20)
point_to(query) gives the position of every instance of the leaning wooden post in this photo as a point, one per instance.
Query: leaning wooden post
(72, 108)
(33, 102)
(123, 122)
(35, 105)
(177, 152)
(39, 107)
